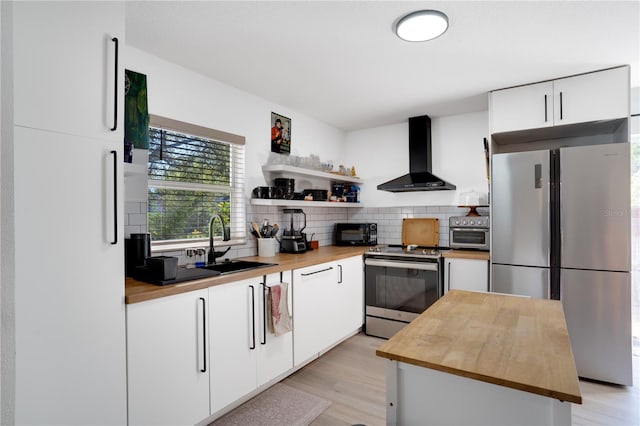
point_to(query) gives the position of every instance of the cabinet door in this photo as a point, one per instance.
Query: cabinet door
(600, 95)
(349, 297)
(466, 274)
(524, 107)
(235, 338)
(69, 281)
(312, 310)
(168, 374)
(275, 354)
(64, 73)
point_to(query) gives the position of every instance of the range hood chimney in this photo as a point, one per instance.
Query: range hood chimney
(420, 177)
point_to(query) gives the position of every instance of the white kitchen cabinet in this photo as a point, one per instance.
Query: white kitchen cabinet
(600, 95)
(596, 96)
(466, 274)
(244, 355)
(328, 305)
(64, 67)
(70, 353)
(168, 369)
(523, 107)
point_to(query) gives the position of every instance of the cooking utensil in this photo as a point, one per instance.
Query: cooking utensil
(274, 230)
(256, 229)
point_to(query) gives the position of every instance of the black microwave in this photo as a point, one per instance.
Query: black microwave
(356, 234)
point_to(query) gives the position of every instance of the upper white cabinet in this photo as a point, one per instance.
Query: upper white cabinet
(65, 67)
(168, 374)
(328, 305)
(524, 107)
(589, 97)
(602, 95)
(244, 355)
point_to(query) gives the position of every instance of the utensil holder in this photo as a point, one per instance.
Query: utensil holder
(266, 247)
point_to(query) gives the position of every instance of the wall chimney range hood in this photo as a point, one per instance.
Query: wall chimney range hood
(419, 177)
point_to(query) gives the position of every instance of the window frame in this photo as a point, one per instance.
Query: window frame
(237, 208)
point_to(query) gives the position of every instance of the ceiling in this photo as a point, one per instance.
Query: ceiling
(341, 63)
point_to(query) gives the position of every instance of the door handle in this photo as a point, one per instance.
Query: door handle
(253, 318)
(204, 334)
(537, 171)
(317, 272)
(560, 105)
(340, 274)
(448, 276)
(265, 291)
(115, 87)
(115, 197)
(545, 108)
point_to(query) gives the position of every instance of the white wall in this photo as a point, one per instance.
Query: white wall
(181, 94)
(381, 154)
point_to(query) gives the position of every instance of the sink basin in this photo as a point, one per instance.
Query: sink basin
(236, 266)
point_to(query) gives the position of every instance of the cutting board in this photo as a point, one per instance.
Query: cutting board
(422, 232)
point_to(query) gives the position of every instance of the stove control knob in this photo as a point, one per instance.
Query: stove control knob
(464, 222)
(471, 222)
(457, 222)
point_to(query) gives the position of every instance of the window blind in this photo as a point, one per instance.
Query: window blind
(191, 177)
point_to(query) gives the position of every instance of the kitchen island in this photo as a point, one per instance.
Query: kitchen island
(482, 359)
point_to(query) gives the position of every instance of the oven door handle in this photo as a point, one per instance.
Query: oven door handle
(423, 266)
(471, 229)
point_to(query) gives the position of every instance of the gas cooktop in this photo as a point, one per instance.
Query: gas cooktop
(405, 251)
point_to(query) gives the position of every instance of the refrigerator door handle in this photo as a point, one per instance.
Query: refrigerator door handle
(537, 176)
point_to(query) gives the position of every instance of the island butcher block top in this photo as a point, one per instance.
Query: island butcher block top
(509, 341)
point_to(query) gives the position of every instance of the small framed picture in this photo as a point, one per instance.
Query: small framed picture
(280, 134)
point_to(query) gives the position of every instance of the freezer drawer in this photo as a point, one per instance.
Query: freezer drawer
(520, 227)
(595, 203)
(520, 280)
(597, 308)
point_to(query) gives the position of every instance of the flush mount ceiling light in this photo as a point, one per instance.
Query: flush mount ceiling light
(422, 25)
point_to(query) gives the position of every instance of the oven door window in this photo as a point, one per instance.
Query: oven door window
(467, 236)
(402, 287)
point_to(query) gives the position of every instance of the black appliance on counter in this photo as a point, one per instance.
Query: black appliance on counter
(356, 234)
(137, 249)
(293, 239)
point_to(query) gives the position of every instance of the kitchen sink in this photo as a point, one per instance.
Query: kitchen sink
(231, 266)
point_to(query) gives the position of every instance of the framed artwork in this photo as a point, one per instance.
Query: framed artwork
(280, 134)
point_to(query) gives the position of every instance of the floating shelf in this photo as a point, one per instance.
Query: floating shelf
(299, 171)
(301, 203)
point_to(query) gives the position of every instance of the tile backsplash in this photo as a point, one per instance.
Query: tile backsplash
(320, 222)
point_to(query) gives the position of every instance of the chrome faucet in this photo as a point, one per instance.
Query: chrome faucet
(213, 255)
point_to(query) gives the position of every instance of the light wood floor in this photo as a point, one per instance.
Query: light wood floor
(353, 378)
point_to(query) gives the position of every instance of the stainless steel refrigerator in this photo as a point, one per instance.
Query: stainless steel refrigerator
(561, 229)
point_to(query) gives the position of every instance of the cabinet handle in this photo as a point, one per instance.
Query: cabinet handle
(115, 88)
(253, 318)
(317, 272)
(340, 270)
(448, 276)
(545, 108)
(560, 105)
(115, 197)
(204, 334)
(265, 291)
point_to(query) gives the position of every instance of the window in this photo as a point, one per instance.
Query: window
(194, 173)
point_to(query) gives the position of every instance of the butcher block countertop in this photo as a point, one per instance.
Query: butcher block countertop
(466, 254)
(138, 291)
(509, 341)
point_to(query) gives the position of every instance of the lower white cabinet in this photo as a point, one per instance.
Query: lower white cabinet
(168, 369)
(244, 355)
(328, 305)
(466, 274)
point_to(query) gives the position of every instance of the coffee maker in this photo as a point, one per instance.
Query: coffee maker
(293, 239)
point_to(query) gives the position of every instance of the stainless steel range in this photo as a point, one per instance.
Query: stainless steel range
(400, 283)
